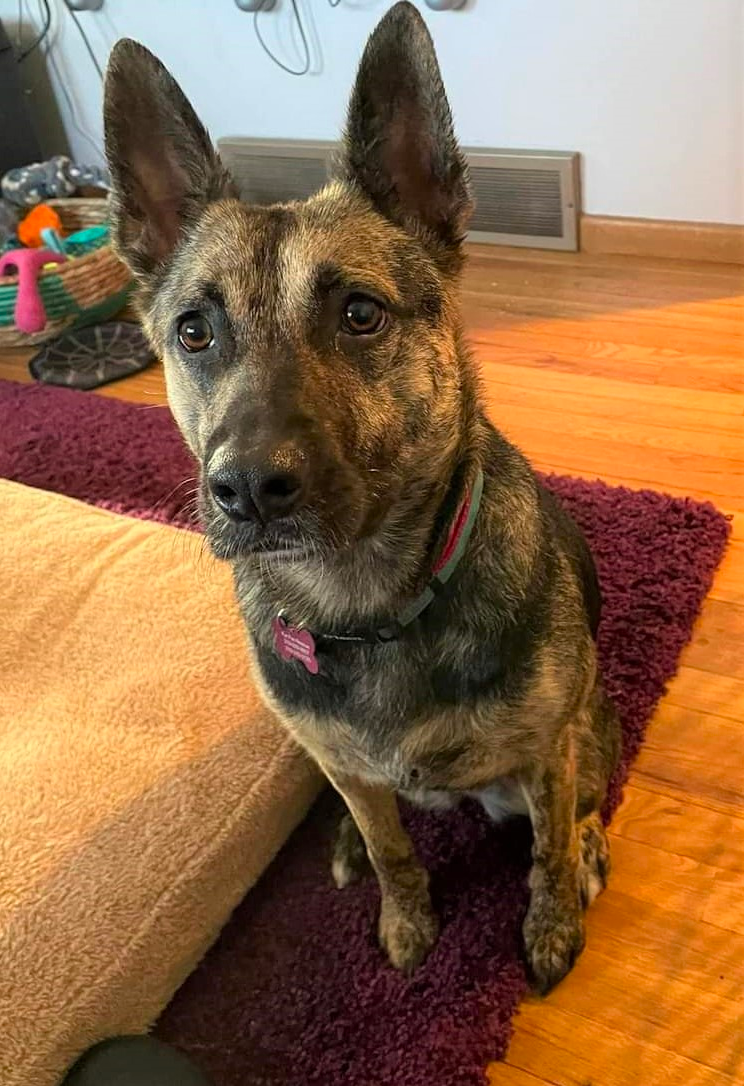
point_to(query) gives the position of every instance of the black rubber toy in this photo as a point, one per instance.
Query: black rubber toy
(93, 356)
(133, 1061)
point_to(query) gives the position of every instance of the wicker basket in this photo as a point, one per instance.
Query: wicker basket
(83, 290)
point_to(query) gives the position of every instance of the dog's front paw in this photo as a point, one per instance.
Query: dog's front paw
(594, 858)
(350, 861)
(554, 939)
(407, 935)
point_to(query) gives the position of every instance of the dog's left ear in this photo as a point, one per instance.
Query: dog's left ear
(164, 169)
(400, 147)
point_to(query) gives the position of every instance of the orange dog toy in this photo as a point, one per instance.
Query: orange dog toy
(38, 219)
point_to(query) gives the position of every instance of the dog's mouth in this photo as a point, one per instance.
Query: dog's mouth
(326, 523)
(232, 547)
(289, 539)
(280, 544)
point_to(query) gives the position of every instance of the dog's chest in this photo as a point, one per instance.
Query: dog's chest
(377, 714)
(369, 692)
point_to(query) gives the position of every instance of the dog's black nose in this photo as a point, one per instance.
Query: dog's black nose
(264, 491)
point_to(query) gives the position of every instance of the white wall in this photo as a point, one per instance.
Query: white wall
(649, 91)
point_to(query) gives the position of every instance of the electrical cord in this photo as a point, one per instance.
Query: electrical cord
(41, 35)
(19, 26)
(62, 84)
(306, 48)
(93, 143)
(86, 42)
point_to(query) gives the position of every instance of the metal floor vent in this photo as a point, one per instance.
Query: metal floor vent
(528, 198)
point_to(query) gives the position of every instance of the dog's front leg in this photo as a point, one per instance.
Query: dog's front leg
(408, 927)
(553, 928)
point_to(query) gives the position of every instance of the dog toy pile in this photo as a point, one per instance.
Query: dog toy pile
(89, 357)
(8, 224)
(58, 271)
(37, 243)
(56, 178)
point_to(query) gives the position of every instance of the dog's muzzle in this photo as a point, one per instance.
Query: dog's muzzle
(262, 489)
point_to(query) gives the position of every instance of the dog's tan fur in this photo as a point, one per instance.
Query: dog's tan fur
(493, 692)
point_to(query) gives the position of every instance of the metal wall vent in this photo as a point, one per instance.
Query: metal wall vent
(273, 171)
(528, 198)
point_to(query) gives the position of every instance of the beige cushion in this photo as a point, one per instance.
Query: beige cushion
(144, 787)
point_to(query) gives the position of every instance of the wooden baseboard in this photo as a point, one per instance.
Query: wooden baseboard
(716, 242)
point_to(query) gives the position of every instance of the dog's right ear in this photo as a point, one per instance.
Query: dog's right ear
(399, 147)
(164, 169)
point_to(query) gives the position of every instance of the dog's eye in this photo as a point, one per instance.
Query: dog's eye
(195, 332)
(362, 316)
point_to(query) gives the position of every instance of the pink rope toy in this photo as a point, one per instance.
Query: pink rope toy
(29, 312)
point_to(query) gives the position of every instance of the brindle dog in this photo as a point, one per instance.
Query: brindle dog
(316, 365)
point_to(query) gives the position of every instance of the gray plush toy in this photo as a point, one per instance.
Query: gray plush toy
(58, 177)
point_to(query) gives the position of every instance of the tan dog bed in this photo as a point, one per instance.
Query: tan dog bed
(144, 786)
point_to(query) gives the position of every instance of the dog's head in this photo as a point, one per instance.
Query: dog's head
(310, 349)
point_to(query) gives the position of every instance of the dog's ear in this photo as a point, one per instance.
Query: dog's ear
(400, 147)
(164, 169)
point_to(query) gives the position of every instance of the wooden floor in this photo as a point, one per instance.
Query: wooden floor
(632, 371)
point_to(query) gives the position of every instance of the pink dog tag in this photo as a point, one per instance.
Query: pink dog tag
(293, 643)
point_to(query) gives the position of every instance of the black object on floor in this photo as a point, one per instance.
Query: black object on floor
(93, 356)
(133, 1061)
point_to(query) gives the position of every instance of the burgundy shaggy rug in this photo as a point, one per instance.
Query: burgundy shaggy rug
(295, 991)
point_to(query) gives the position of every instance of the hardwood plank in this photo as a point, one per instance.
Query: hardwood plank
(728, 582)
(641, 284)
(652, 938)
(729, 506)
(716, 475)
(632, 323)
(599, 427)
(681, 827)
(592, 401)
(504, 1074)
(481, 256)
(561, 1047)
(675, 1016)
(524, 370)
(691, 753)
(702, 893)
(562, 332)
(716, 646)
(586, 349)
(706, 691)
